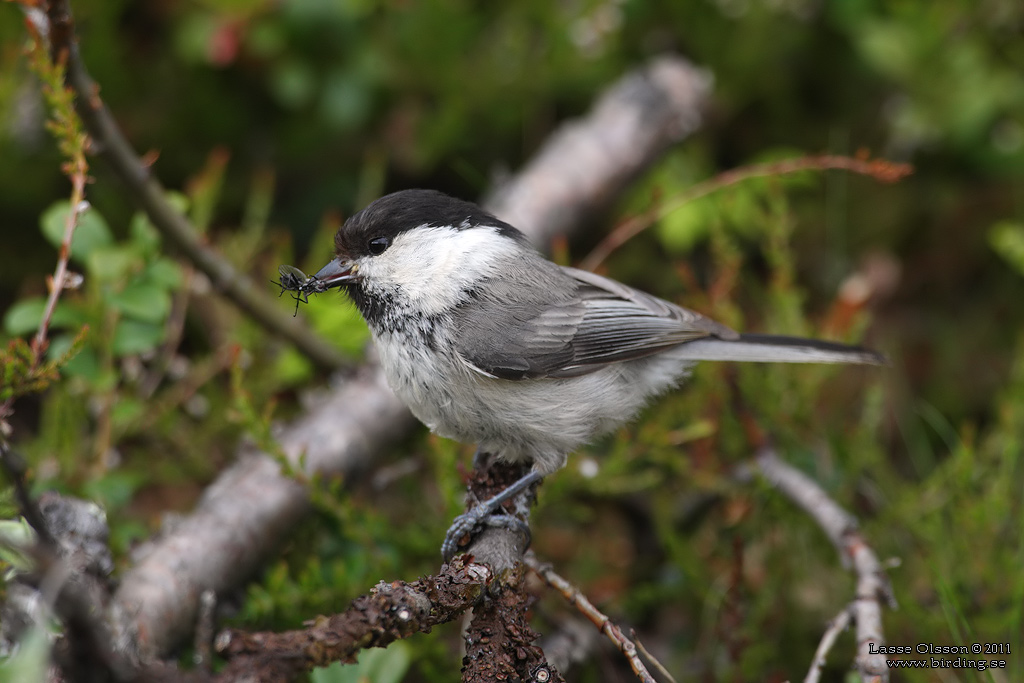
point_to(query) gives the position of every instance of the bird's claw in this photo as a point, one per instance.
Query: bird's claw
(469, 524)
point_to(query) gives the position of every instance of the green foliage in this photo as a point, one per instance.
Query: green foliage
(14, 534)
(21, 373)
(1007, 238)
(31, 663)
(128, 301)
(373, 666)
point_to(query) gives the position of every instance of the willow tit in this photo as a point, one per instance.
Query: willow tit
(488, 342)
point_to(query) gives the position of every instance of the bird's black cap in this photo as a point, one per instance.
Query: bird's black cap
(400, 211)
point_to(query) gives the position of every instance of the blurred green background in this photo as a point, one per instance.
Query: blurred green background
(272, 121)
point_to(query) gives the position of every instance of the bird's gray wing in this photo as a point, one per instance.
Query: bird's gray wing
(596, 321)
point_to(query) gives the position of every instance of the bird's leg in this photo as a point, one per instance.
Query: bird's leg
(483, 513)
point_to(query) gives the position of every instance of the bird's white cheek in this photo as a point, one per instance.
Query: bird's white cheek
(431, 268)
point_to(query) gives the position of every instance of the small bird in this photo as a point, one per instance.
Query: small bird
(488, 342)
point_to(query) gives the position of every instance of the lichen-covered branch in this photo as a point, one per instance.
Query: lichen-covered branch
(391, 611)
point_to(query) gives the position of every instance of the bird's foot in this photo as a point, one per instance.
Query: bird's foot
(469, 524)
(487, 514)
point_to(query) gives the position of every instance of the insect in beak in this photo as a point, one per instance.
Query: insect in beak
(334, 274)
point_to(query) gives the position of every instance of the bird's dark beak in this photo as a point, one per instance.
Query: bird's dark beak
(337, 273)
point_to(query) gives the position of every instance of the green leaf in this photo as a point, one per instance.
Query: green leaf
(292, 368)
(681, 229)
(373, 666)
(165, 273)
(126, 411)
(114, 262)
(91, 232)
(15, 534)
(142, 301)
(24, 316)
(114, 488)
(1007, 239)
(293, 83)
(131, 337)
(340, 322)
(84, 364)
(143, 234)
(30, 663)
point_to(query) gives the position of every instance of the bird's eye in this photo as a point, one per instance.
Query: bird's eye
(378, 244)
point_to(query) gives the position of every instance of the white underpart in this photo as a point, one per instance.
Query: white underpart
(433, 266)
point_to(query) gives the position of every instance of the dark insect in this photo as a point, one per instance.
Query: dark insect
(294, 280)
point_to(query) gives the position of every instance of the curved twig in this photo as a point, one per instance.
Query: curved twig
(879, 169)
(841, 527)
(828, 639)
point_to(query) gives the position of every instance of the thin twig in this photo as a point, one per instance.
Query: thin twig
(840, 526)
(880, 169)
(575, 597)
(57, 282)
(150, 196)
(828, 640)
(872, 585)
(658, 666)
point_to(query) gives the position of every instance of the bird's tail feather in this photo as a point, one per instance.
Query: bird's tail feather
(769, 348)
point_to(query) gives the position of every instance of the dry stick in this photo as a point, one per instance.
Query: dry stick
(841, 528)
(147, 192)
(245, 515)
(575, 597)
(658, 666)
(884, 171)
(828, 640)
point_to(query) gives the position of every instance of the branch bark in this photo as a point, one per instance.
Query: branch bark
(391, 611)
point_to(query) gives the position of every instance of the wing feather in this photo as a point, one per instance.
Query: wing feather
(598, 322)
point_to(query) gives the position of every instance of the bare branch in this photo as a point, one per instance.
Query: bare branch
(584, 166)
(872, 585)
(251, 508)
(658, 666)
(828, 639)
(575, 597)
